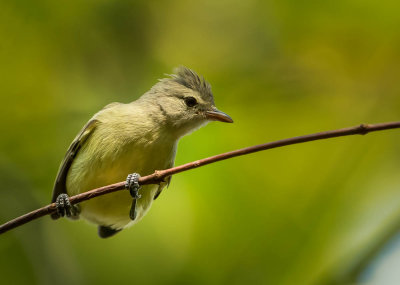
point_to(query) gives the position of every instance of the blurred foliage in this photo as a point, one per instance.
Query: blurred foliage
(303, 214)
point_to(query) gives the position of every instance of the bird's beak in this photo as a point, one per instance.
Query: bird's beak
(217, 115)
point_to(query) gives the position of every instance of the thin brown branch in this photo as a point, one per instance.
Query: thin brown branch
(159, 175)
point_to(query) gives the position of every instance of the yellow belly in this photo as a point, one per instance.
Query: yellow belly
(91, 170)
(113, 209)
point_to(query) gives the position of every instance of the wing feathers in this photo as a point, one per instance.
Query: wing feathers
(81, 138)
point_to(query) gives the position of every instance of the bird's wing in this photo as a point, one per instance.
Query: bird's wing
(164, 183)
(81, 138)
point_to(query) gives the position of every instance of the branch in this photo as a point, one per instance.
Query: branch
(159, 175)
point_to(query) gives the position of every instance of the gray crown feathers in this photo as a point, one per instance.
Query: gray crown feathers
(192, 80)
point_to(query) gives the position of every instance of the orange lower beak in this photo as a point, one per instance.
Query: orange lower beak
(217, 115)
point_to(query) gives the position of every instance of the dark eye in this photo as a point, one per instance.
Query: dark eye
(190, 101)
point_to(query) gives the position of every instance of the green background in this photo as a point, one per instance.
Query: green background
(304, 214)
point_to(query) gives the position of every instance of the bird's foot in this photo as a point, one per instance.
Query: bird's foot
(65, 208)
(132, 184)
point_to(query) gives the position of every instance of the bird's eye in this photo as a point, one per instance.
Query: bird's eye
(190, 101)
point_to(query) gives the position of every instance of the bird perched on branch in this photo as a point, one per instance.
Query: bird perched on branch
(139, 137)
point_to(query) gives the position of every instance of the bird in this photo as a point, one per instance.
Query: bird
(139, 137)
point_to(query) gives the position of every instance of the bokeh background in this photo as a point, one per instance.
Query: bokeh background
(324, 212)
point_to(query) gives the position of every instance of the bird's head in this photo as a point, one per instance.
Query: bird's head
(186, 101)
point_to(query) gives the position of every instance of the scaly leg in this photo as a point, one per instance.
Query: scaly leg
(65, 208)
(132, 184)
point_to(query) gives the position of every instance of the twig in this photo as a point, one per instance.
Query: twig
(159, 175)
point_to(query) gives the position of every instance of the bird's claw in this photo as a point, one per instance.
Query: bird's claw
(64, 206)
(132, 184)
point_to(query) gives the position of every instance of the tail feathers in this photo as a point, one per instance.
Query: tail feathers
(105, 231)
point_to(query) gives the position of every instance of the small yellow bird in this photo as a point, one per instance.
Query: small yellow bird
(138, 137)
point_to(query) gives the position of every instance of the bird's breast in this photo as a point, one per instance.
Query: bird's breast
(97, 165)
